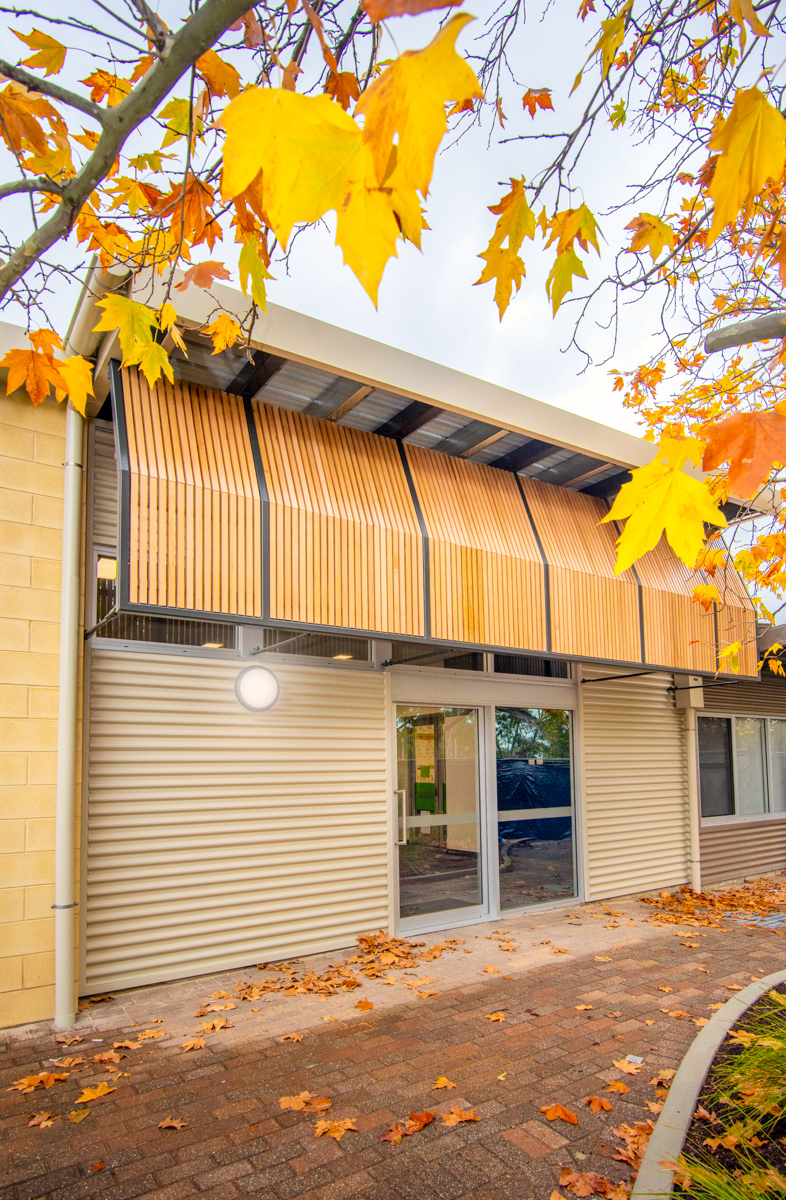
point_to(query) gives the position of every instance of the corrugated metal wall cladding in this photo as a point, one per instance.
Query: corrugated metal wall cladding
(742, 848)
(635, 785)
(218, 837)
(762, 698)
(105, 485)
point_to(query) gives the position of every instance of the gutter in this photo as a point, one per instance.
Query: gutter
(80, 339)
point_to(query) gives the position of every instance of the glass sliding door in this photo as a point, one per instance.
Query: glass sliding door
(438, 815)
(534, 806)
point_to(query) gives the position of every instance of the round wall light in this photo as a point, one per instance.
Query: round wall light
(257, 688)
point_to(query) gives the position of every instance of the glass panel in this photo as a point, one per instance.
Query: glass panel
(420, 655)
(522, 664)
(751, 788)
(316, 645)
(717, 793)
(778, 781)
(439, 866)
(169, 631)
(533, 773)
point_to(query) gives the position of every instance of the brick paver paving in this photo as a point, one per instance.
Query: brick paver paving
(377, 1066)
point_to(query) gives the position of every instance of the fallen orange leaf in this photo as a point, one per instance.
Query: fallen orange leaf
(78, 1115)
(292, 1037)
(491, 970)
(335, 1129)
(626, 1067)
(305, 1102)
(95, 1093)
(197, 1043)
(583, 1007)
(617, 1085)
(442, 1082)
(495, 1016)
(364, 1005)
(598, 1104)
(553, 1111)
(457, 1115)
(97, 1166)
(44, 1120)
(172, 1123)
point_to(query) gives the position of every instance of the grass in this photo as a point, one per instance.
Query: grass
(735, 1148)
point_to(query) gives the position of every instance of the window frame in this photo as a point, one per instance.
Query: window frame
(768, 814)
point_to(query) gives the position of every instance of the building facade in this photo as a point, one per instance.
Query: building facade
(355, 656)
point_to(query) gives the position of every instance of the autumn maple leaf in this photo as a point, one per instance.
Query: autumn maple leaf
(751, 443)
(49, 54)
(554, 1111)
(650, 233)
(535, 98)
(442, 1082)
(598, 1104)
(380, 10)
(335, 1129)
(203, 275)
(457, 1116)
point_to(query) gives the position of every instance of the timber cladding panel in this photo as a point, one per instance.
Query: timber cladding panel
(677, 631)
(635, 784)
(487, 577)
(345, 543)
(195, 512)
(736, 619)
(219, 837)
(593, 612)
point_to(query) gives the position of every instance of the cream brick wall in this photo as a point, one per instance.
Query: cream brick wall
(31, 489)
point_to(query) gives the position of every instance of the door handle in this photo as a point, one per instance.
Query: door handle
(402, 792)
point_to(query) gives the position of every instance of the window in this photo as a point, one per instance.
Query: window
(742, 766)
(168, 631)
(419, 655)
(314, 645)
(522, 664)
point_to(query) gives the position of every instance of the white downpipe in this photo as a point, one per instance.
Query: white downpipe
(693, 799)
(65, 904)
(80, 339)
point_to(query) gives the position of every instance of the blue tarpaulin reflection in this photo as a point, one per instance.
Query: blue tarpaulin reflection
(525, 785)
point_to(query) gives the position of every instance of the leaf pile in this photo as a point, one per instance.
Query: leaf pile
(759, 898)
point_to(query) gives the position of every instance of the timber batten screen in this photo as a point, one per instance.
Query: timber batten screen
(194, 519)
(345, 543)
(486, 571)
(259, 513)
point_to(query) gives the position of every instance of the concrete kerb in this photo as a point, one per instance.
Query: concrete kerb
(654, 1180)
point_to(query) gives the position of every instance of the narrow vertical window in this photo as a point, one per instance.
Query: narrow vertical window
(715, 767)
(751, 789)
(778, 780)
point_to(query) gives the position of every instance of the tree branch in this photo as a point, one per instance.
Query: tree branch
(53, 90)
(199, 33)
(41, 183)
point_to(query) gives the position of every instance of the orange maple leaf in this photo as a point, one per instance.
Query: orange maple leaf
(457, 1115)
(335, 1129)
(598, 1104)
(536, 98)
(203, 275)
(628, 1068)
(379, 10)
(751, 443)
(172, 1123)
(616, 1085)
(442, 1082)
(343, 86)
(305, 1102)
(553, 1111)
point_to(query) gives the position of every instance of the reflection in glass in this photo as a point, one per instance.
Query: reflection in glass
(437, 753)
(715, 776)
(533, 775)
(751, 771)
(778, 781)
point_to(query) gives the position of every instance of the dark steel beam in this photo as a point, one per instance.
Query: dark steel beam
(524, 456)
(255, 374)
(605, 488)
(409, 419)
(469, 438)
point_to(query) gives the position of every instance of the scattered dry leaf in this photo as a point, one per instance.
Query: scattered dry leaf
(31, 1082)
(197, 1043)
(364, 1005)
(601, 958)
(598, 1104)
(495, 1016)
(457, 1115)
(553, 1111)
(583, 1007)
(77, 1115)
(442, 1082)
(626, 1067)
(617, 1085)
(292, 1037)
(97, 1166)
(305, 1102)
(489, 970)
(172, 1123)
(655, 1106)
(44, 1120)
(95, 1093)
(663, 1078)
(335, 1129)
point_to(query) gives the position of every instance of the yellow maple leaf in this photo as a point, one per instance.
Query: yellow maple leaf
(153, 362)
(224, 331)
(741, 11)
(133, 321)
(661, 497)
(732, 655)
(650, 233)
(751, 150)
(78, 376)
(516, 220)
(49, 53)
(561, 275)
(306, 144)
(609, 42)
(409, 99)
(254, 272)
(366, 226)
(167, 318)
(706, 594)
